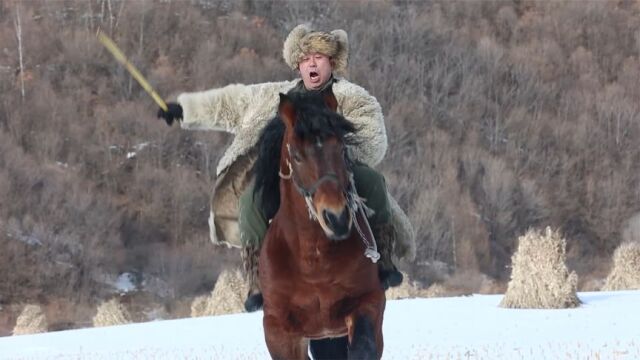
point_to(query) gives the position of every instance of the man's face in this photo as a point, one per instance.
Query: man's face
(315, 70)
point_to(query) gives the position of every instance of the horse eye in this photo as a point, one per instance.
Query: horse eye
(297, 158)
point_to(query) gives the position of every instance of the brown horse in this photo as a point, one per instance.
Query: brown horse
(319, 288)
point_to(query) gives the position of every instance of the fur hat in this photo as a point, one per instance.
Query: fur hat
(303, 40)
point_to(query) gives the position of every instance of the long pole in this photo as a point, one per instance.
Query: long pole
(120, 57)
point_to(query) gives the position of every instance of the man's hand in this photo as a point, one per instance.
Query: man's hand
(174, 113)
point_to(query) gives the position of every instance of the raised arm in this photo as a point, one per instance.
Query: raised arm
(227, 108)
(215, 109)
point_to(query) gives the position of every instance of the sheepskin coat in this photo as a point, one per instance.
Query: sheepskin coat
(244, 110)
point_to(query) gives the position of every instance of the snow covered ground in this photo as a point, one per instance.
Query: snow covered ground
(606, 326)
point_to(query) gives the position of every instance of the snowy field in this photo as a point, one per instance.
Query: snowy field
(606, 326)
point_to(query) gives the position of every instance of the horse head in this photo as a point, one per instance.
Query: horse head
(314, 157)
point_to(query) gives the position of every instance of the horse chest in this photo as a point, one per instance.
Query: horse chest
(321, 309)
(314, 261)
(321, 262)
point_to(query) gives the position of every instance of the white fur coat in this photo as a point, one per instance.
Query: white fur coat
(244, 110)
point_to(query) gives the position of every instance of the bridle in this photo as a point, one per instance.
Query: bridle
(355, 203)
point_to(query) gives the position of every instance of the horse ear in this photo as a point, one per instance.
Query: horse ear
(330, 98)
(286, 111)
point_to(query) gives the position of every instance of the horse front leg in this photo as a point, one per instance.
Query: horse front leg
(364, 328)
(282, 344)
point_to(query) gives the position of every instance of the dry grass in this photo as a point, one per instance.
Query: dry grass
(227, 296)
(540, 279)
(471, 282)
(410, 289)
(111, 313)
(625, 274)
(31, 321)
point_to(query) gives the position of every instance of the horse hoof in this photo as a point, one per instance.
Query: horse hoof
(391, 278)
(254, 302)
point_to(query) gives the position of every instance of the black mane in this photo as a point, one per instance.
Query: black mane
(313, 119)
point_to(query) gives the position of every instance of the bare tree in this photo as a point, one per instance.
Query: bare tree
(18, 27)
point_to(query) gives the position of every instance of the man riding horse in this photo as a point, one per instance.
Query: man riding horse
(238, 218)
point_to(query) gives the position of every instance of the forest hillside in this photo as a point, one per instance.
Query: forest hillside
(501, 115)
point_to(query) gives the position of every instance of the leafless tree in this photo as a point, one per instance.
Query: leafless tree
(18, 28)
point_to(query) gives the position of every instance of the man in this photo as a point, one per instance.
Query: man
(237, 217)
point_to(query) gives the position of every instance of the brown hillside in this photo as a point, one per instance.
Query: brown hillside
(501, 116)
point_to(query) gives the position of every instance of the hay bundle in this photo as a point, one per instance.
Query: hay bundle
(227, 297)
(199, 306)
(111, 313)
(540, 279)
(31, 321)
(625, 274)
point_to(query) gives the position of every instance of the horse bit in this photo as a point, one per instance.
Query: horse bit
(355, 204)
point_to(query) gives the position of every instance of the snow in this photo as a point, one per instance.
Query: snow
(130, 154)
(27, 239)
(121, 284)
(472, 327)
(124, 283)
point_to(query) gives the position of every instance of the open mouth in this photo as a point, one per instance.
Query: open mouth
(314, 76)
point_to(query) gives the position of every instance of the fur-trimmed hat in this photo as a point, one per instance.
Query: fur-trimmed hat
(303, 40)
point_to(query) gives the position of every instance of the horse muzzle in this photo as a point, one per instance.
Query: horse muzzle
(338, 224)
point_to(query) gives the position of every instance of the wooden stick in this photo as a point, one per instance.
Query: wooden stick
(120, 57)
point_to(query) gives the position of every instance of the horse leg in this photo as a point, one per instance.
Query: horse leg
(330, 349)
(364, 327)
(283, 344)
(363, 343)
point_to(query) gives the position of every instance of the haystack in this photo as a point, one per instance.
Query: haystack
(31, 321)
(540, 279)
(410, 289)
(227, 297)
(625, 274)
(111, 313)
(199, 306)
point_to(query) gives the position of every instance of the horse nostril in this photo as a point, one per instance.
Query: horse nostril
(329, 218)
(338, 223)
(344, 217)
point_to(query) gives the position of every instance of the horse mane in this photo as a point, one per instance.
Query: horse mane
(265, 169)
(313, 119)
